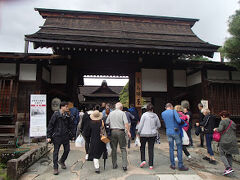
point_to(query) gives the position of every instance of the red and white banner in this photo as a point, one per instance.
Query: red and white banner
(38, 115)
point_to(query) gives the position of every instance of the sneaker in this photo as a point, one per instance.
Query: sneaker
(172, 167)
(86, 157)
(183, 168)
(142, 164)
(189, 157)
(115, 167)
(206, 158)
(97, 171)
(212, 162)
(55, 171)
(176, 159)
(228, 171)
(150, 167)
(63, 166)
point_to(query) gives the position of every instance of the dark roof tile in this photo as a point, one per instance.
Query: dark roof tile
(77, 28)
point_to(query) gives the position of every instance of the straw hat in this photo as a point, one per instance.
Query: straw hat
(96, 115)
(70, 105)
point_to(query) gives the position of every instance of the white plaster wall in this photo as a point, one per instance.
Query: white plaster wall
(218, 74)
(154, 80)
(46, 75)
(235, 75)
(8, 68)
(179, 78)
(193, 79)
(58, 74)
(28, 72)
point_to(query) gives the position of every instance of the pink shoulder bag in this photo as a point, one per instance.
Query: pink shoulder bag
(217, 135)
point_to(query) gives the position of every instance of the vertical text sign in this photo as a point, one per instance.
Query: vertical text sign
(138, 89)
(38, 115)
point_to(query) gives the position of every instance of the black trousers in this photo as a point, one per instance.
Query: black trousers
(202, 139)
(151, 141)
(66, 146)
(189, 133)
(184, 148)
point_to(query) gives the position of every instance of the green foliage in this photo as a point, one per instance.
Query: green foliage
(234, 24)
(3, 165)
(231, 47)
(124, 96)
(199, 58)
(3, 173)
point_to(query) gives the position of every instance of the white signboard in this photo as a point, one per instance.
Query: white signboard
(38, 115)
(205, 104)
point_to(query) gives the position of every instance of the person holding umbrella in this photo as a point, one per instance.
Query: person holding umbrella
(97, 147)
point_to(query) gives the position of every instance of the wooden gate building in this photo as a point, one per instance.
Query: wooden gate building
(94, 43)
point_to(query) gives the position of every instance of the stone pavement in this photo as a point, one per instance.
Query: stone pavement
(79, 169)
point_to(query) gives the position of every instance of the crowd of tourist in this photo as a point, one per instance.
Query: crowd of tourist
(104, 127)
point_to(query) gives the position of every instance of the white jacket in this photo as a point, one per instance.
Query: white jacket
(149, 124)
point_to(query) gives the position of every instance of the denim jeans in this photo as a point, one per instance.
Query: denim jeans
(209, 138)
(178, 140)
(133, 129)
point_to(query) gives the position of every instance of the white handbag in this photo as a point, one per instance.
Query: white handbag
(185, 138)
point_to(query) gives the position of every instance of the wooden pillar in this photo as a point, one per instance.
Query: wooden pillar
(72, 81)
(170, 88)
(15, 110)
(80, 79)
(131, 88)
(204, 82)
(39, 78)
(75, 88)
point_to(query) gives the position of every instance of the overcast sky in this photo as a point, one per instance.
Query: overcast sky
(18, 17)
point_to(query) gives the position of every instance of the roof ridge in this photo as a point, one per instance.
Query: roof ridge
(114, 14)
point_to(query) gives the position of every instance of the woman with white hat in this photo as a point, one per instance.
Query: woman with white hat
(97, 147)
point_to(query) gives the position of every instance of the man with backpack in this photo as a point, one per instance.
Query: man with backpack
(133, 110)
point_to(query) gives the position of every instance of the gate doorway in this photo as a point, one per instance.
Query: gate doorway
(100, 88)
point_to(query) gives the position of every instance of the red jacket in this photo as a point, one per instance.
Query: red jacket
(185, 118)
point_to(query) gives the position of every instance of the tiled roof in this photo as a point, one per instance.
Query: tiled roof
(90, 89)
(110, 30)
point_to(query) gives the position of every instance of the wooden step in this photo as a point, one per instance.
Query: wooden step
(7, 134)
(7, 126)
(7, 145)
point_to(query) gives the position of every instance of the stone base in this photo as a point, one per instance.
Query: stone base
(16, 167)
